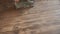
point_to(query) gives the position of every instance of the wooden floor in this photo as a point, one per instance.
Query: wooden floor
(43, 18)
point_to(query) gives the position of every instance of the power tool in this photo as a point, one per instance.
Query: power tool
(23, 3)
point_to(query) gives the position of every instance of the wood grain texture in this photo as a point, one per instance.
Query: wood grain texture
(43, 18)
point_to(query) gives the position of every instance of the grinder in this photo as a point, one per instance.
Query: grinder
(23, 3)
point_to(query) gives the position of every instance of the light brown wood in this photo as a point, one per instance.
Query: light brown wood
(43, 18)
